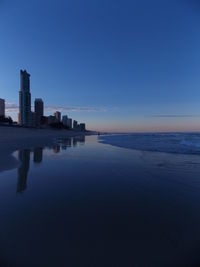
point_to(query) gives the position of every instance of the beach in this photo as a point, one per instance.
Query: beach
(15, 138)
(63, 195)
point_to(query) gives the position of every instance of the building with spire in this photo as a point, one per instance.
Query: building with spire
(25, 116)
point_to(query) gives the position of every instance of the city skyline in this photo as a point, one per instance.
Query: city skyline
(35, 118)
(123, 66)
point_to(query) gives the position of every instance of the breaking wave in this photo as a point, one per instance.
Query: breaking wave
(181, 143)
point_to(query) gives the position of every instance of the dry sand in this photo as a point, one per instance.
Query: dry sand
(14, 138)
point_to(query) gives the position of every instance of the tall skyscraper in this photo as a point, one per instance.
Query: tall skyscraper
(39, 111)
(2, 107)
(24, 99)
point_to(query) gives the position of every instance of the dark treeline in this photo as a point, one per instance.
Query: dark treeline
(6, 120)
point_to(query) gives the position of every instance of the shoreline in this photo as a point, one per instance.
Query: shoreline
(14, 138)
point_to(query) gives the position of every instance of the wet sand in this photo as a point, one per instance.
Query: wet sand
(13, 138)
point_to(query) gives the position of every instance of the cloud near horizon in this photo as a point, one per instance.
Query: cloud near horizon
(174, 116)
(11, 107)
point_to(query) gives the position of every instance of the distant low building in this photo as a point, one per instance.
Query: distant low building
(6, 120)
(82, 127)
(79, 127)
(33, 119)
(67, 122)
(51, 119)
(44, 120)
(2, 107)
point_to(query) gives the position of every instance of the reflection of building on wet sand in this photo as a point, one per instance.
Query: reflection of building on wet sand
(78, 139)
(38, 153)
(56, 149)
(24, 158)
(67, 142)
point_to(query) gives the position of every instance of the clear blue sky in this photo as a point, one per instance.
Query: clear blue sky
(117, 65)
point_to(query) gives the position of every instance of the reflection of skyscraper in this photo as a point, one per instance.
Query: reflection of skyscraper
(56, 149)
(74, 142)
(24, 157)
(67, 142)
(81, 139)
(24, 99)
(78, 139)
(37, 156)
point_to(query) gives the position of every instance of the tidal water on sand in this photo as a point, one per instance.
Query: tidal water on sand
(81, 202)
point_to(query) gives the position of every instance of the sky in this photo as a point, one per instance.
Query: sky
(117, 65)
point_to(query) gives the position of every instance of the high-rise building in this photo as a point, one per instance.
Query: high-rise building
(65, 120)
(75, 124)
(2, 107)
(25, 99)
(57, 115)
(82, 127)
(69, 123)
(39, 111)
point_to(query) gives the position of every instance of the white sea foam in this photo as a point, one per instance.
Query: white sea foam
(182, 143)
